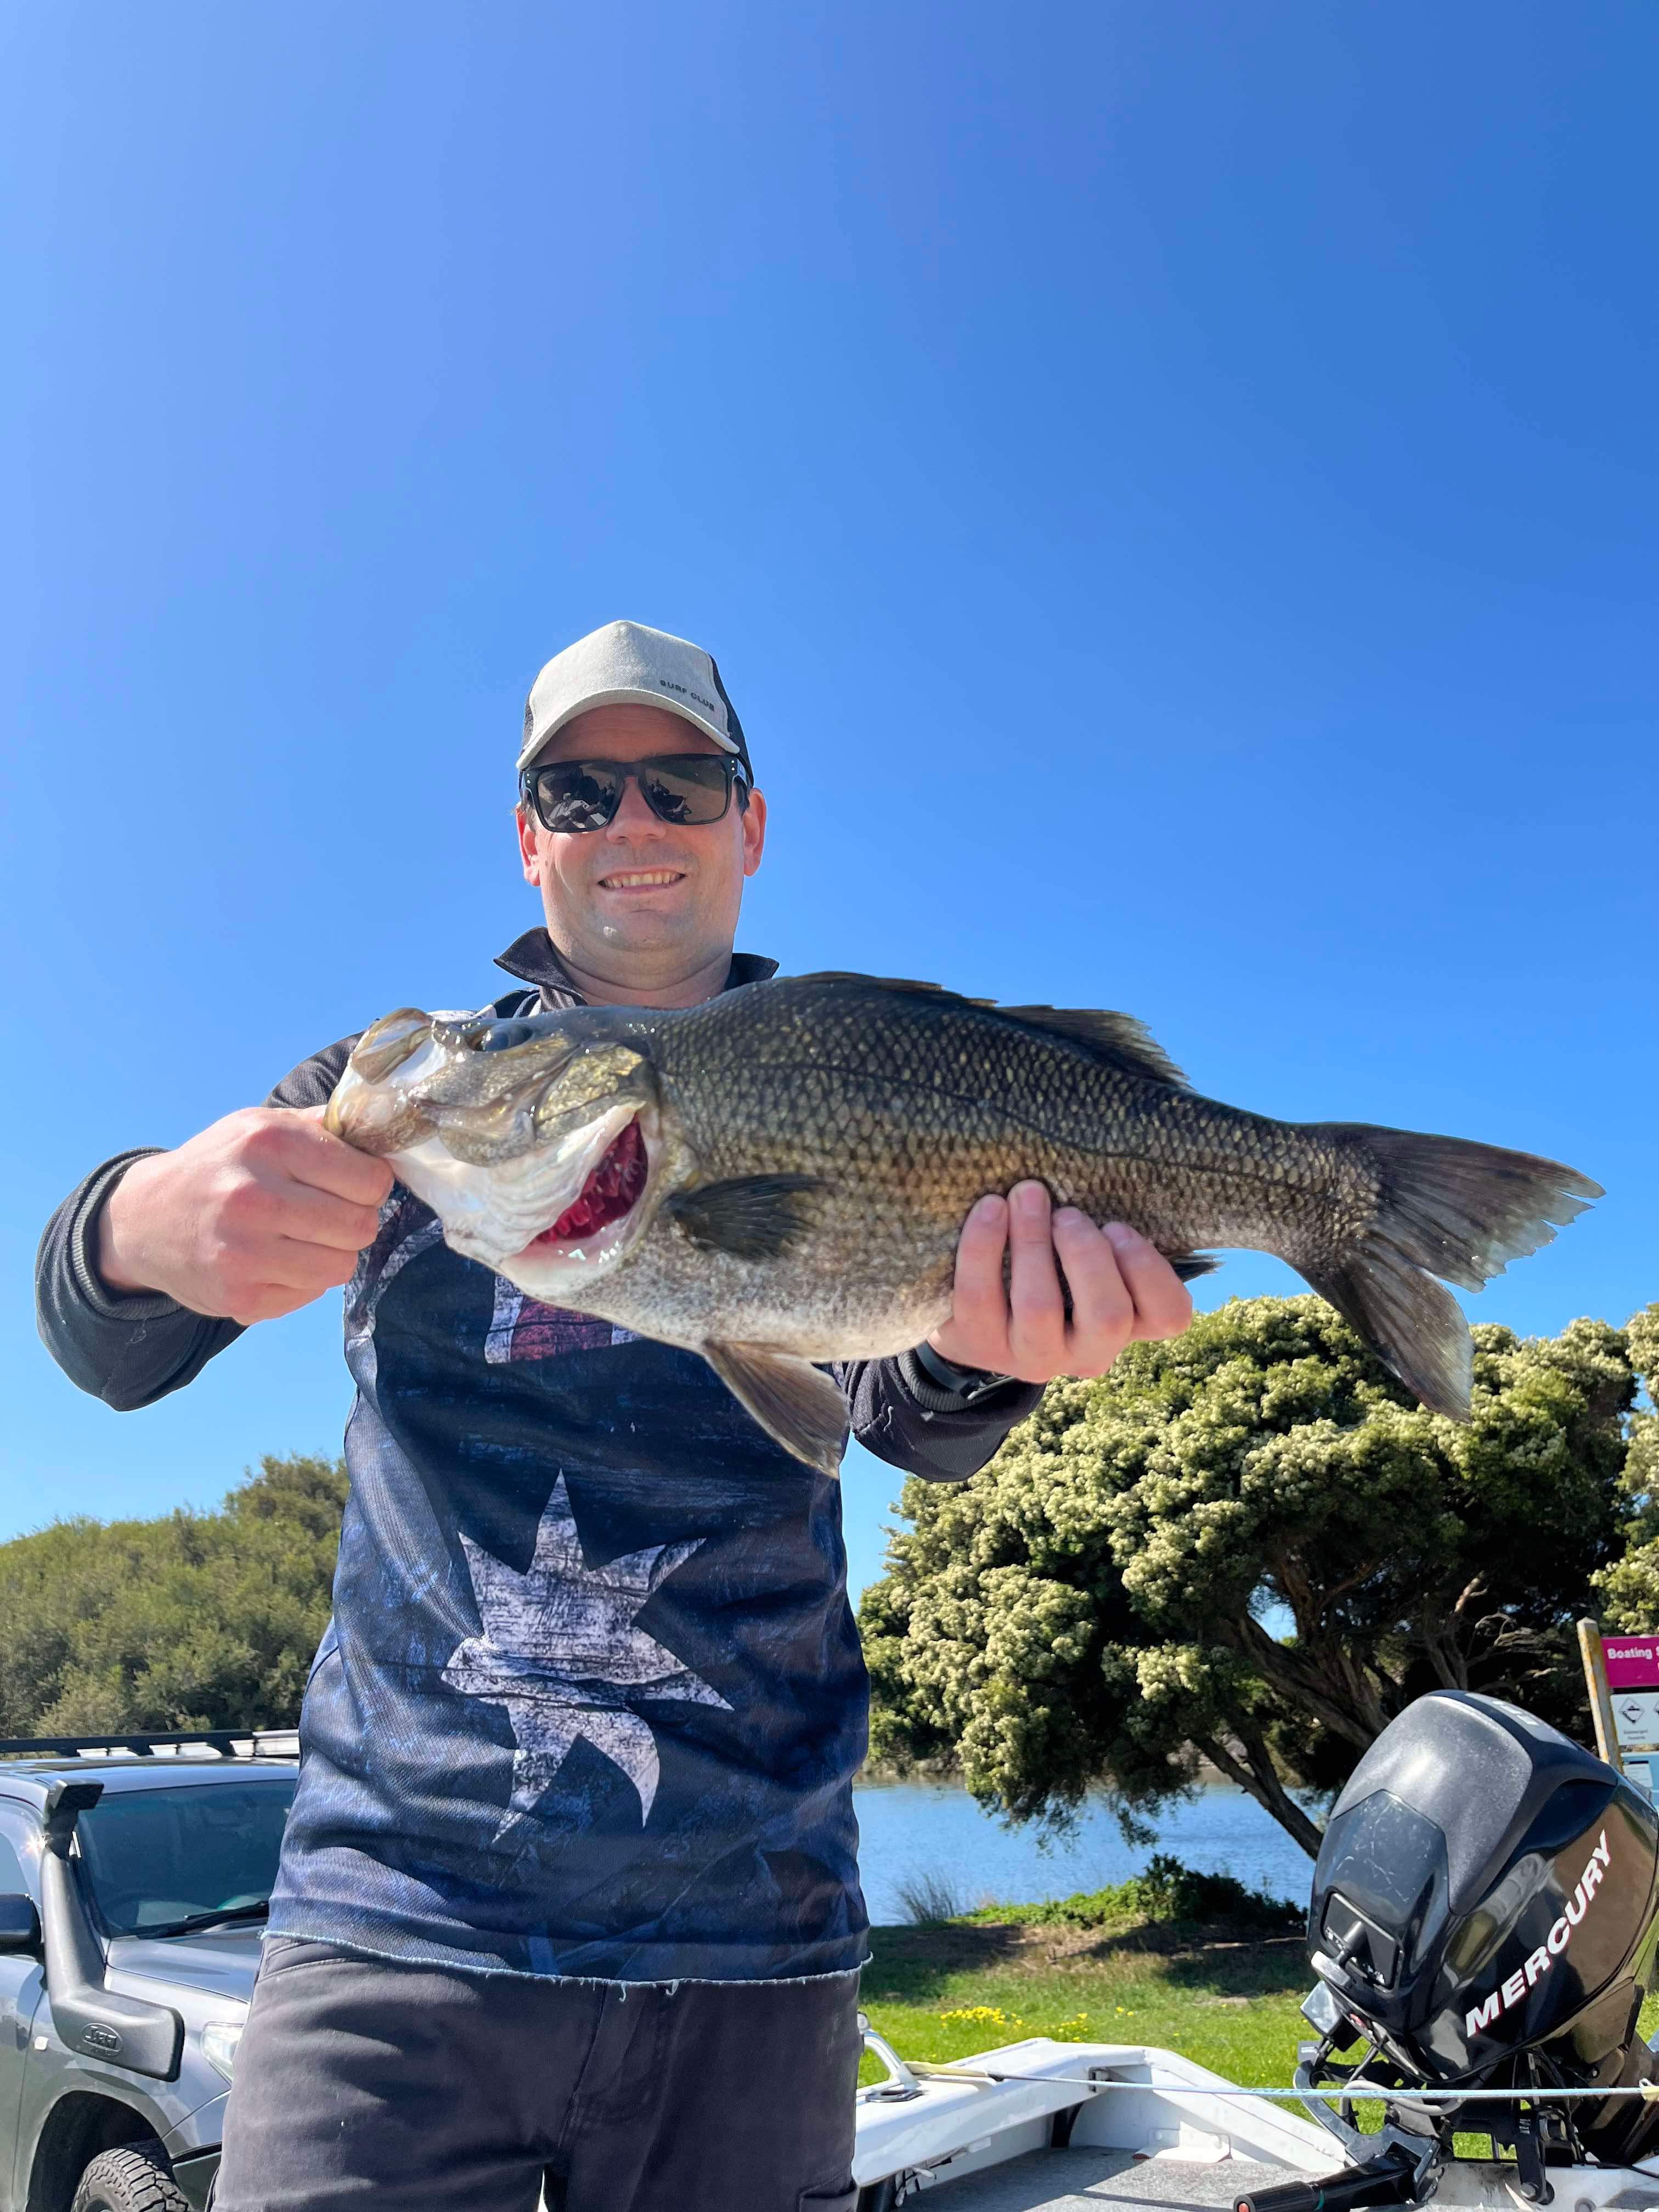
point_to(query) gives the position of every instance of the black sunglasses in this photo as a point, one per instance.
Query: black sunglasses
(691, 788)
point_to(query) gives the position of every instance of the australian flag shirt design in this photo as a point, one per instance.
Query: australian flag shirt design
(592, 1700)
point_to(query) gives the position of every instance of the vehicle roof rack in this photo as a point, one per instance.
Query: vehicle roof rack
(144, 1743)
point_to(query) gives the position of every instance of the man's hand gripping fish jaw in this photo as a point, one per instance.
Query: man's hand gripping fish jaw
(542, 1164)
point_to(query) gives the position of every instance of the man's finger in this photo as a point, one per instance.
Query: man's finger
(281, 1206)
(268, 1302)
(978, 1306)
(1163, 1303)
(1103, 1307)
(976, 1333)
(1037, 1304)
(314, 1156)
(310, 1269)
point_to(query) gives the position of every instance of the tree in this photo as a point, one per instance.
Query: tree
(194, 1620)
(1629, 1587)
(1098, 1606)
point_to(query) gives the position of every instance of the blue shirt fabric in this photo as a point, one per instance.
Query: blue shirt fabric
(593, 1699)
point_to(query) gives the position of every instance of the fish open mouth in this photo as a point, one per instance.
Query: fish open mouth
(611, 1191)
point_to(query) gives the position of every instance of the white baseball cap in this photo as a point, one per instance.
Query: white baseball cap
(625, 661)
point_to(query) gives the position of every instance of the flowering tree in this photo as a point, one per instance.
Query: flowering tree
(1629, 1587)
(1248, 1545)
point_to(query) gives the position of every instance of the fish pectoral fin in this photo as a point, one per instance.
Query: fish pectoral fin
(796, 1405)
(753, 1217)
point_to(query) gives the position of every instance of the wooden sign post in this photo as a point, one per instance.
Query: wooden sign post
(1601, 1700)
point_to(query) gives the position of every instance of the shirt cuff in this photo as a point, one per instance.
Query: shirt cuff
(90, 1286)
(939, 1386)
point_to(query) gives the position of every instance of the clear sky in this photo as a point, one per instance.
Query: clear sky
(1170, 486)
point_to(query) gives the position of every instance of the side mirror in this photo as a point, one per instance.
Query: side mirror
(20, 1925)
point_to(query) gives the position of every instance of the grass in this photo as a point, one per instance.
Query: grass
(1195, 1962)
(927, 1898)
(1138, 1963)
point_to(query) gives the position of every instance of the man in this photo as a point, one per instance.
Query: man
(569, 1891)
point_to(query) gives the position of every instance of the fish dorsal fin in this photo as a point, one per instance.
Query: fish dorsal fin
(1118, 1039)
(886, 983)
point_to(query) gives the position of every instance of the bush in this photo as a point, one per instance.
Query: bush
(1166, 1893)
(194, 1620)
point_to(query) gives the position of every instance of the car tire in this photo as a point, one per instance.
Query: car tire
(134, 2180)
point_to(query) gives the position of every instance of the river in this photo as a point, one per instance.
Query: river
(919, 1830)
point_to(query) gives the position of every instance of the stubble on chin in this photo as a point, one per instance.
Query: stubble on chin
(643, 929)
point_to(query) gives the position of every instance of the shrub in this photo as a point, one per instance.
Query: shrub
(1166, 1893)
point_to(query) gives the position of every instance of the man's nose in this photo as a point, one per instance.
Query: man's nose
(633, 818)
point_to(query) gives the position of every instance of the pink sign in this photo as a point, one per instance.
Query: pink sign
(1633, 1661)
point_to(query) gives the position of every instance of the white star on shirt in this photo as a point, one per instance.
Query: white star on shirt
(561, 1651)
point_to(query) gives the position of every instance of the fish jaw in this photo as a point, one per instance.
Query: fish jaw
(369, 1111)
(497, 1214)
(560, 1273)
(413, 1074)
(501, 1138)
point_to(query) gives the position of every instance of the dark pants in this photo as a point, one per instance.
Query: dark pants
(359, 2080)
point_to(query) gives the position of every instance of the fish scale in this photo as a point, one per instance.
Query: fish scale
(815, 1143)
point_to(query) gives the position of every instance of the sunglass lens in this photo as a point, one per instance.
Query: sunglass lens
(574, 795)
(694, 789)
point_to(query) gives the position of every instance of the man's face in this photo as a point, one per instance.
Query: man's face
(641, 901)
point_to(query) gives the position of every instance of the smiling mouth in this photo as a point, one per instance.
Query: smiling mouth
(642, 879)
(611, 1191)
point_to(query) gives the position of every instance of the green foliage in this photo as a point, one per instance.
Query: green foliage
(1166, 1894)
(195, 1620)
(1629, 1587)
(1087, 1610)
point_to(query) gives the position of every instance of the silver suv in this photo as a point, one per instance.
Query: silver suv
(135, 1874)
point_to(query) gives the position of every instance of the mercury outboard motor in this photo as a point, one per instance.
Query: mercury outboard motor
(1483, 1915)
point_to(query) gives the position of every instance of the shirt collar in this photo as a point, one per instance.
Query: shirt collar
(534, 959)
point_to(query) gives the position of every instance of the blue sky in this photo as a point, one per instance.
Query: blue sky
(1170, 488)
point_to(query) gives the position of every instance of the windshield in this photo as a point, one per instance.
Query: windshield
(154, 1859)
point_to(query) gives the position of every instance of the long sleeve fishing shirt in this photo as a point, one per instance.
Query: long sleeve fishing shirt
(592, 1701)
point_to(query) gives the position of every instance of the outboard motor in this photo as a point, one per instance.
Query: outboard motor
(1483, 1915)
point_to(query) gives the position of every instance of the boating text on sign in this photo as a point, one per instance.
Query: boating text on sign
(1632, 1665)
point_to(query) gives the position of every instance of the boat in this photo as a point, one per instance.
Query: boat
(1048, 2106)
(1036, 2127)
(1482, 1930)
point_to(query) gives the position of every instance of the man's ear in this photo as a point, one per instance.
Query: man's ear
(530, 858)
(754, 832)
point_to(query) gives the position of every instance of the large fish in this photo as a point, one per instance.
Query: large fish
(779, 1175)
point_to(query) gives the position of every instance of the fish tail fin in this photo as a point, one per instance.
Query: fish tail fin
(1445, 1207)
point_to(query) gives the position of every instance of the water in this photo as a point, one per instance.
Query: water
(912, 1828)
